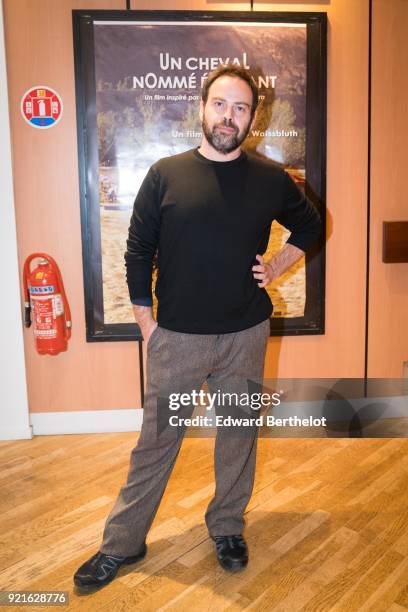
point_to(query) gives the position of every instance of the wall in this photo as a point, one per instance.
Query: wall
(388, 329)
(104, 376)
(14, 421)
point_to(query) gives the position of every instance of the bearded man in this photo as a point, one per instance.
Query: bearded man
(207, 213)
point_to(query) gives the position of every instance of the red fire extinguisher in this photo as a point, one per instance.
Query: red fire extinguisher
(45, 296)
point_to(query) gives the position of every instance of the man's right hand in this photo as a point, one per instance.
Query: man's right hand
(147, 332)
(144, 318)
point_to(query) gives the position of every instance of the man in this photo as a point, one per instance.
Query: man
(208, 213)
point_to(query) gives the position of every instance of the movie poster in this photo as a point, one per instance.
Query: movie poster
(148, 77)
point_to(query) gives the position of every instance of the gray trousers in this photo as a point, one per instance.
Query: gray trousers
(181, 363)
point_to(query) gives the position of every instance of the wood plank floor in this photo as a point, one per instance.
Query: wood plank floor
(327, 525)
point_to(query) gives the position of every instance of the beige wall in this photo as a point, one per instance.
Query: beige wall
(340, 352)
(105, 375)
(388, 312)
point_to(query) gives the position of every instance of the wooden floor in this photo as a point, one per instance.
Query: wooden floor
(327, 526)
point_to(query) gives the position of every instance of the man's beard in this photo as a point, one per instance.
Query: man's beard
(221, 142)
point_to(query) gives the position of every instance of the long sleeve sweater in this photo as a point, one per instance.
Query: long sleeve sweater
(207, 220)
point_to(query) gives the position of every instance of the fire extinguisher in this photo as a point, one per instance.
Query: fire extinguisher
(44, 295)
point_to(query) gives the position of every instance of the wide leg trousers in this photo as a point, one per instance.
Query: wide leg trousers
(180, 363)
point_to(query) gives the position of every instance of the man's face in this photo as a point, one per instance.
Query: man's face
(226, 116)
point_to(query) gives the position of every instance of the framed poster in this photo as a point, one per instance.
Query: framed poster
(138, 81)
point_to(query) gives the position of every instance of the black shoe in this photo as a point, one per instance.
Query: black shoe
(101, 569)
(232, 552)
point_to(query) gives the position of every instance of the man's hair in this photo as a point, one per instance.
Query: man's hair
(232, 70)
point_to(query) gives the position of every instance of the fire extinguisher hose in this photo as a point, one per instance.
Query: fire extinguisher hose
(67, 310)
(27, 303)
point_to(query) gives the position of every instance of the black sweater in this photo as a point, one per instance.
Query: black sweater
(208, 220)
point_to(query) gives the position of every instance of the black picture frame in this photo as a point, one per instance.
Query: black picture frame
(313, 321)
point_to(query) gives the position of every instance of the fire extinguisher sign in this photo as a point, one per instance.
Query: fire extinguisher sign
(41, 107)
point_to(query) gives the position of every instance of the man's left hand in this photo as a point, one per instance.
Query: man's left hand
(263, 272)
(282, 261)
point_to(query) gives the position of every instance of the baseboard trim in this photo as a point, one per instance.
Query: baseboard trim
(86, 421)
